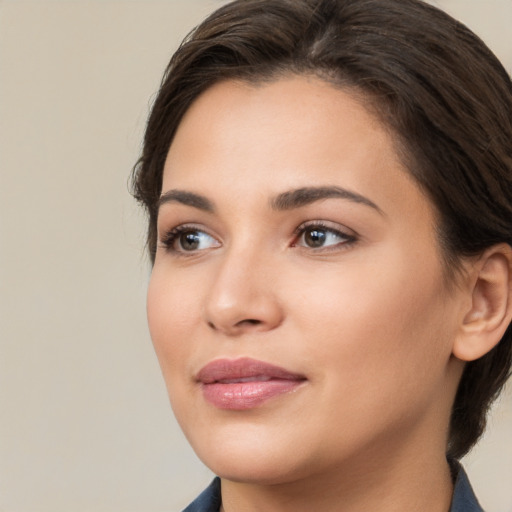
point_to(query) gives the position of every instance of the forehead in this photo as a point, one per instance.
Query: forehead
(248, 140)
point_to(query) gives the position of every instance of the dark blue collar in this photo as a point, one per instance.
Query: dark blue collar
(209, 500)
(464, 499)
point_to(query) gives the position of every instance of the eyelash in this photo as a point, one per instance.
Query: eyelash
(349, 239)
(170, 238)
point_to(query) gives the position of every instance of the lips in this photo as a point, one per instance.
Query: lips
(245, 383)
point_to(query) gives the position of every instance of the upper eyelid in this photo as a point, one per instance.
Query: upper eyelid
(329, 225)
(165, 236)
(335, 227)
(184, 226)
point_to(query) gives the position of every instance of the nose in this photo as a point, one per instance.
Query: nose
(243, 296)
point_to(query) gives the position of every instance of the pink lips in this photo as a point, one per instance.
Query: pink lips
(245, 383)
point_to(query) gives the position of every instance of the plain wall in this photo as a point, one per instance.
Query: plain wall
(85, 423)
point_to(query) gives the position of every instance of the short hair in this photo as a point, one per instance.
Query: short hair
(443, 94)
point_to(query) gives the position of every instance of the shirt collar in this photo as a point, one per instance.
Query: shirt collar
(464, 499)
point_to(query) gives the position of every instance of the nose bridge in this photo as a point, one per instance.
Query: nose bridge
(243, 296)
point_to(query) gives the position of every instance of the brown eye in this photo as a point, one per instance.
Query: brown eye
(314, 237)
(189, 240)
(317, 237)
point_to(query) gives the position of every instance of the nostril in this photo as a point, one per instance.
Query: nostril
(249, 321)
(241, 323)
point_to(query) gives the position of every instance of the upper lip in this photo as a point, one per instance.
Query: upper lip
(243, 368)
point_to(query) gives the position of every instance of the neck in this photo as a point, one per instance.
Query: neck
(396, 480)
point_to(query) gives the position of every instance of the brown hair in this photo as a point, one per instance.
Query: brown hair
(442, 92)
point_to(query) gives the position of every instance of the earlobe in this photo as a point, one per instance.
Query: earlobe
(490, 313)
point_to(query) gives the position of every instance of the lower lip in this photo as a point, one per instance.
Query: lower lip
(246, 395)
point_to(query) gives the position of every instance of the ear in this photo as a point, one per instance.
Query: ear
(490, 310)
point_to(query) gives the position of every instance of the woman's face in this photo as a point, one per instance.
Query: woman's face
(297, 302)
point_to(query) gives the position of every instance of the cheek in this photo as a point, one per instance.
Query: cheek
(376, 326)
(172, 310)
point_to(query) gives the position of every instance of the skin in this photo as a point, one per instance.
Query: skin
(368, 319)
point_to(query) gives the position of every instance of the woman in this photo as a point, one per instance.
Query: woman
(328, 184)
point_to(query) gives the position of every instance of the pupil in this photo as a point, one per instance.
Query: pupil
(315, 238)
(190, 240)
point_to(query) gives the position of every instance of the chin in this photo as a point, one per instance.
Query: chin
(256, 468)
(251, 455)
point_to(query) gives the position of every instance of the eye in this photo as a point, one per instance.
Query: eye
(188, 239)
(317, 236)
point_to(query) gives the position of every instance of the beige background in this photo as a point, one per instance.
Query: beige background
(84, 419)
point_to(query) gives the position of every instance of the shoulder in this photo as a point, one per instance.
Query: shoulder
(209, 500)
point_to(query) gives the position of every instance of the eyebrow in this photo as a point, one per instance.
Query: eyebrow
(187, 198)
(285, 201)
(307, 195)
